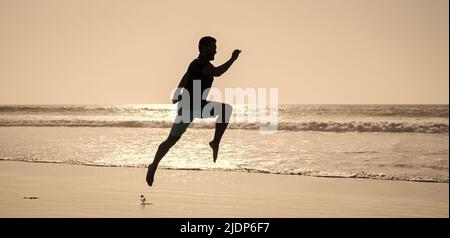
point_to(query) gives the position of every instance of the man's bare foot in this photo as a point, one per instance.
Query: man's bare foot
(215, 148)
(150, 174)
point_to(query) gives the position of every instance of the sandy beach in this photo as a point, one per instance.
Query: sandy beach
(86, 191)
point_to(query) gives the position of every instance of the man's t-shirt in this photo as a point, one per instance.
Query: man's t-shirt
(194, 72)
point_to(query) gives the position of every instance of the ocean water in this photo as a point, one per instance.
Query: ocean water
(394, 142)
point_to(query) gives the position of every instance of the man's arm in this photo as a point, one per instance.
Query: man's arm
(177, 93)
(217, 71)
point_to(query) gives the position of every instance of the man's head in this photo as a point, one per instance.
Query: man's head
(207, 47)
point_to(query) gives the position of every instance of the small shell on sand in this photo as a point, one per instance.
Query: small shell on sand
(31, 197)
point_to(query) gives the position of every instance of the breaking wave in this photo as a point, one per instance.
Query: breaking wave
(355, 126)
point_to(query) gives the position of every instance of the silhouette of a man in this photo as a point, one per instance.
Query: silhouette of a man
(191, 96)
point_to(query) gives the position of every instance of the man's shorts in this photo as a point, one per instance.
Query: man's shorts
(207, 111)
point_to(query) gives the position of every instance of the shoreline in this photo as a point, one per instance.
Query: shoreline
(65, 190)
(251, 171)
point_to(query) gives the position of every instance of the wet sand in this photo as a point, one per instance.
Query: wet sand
(61, 190)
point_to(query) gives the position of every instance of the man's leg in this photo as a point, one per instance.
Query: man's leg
(160, 153)
(175, 134)
(222, 121)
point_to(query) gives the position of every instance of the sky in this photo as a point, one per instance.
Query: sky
(313, 51)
